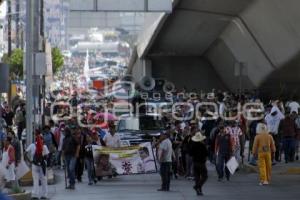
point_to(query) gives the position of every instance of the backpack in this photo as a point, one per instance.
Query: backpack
(38, 160)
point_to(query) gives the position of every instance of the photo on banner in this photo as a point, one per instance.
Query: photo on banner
(129, 160)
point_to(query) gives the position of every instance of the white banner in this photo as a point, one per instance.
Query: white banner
(137, 159)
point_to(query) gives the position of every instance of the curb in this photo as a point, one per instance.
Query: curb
(291, 171)
(27, 179)
(20, 196)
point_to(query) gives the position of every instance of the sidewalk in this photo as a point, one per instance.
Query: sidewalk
(242, 186)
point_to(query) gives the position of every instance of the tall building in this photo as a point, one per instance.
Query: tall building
(56, 17)
(56, 14)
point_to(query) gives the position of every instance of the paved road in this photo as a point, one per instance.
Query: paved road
(143, 187)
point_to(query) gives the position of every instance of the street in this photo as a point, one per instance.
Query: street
(241, 186)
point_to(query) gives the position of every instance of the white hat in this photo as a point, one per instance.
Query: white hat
(261, 128)
(198, 137)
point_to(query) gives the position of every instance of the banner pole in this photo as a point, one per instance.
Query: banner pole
(154, 156)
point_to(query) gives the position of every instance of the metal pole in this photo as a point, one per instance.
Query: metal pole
(29, 69)
(36, 78)
(146, 3)
(240, 80)
(42, 105)
(18, 23)
(9, 17)
(42, 18)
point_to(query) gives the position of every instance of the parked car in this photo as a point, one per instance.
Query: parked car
(141, 128)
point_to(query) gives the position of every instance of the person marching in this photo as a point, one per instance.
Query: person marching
(223, 151)
(199, 153)
(264, 148)
(111, 139)
(9, 161)
(165, 152)
(70, 151)
(38, 153)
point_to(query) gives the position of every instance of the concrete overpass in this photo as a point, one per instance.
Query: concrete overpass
(202, 43)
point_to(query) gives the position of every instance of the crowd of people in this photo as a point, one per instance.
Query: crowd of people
(182, 149)
(57, 145)
(272, 129)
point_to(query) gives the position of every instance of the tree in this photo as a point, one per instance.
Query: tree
(57, 60)
(15, 61)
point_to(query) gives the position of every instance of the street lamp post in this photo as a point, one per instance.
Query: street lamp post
(32, 47)
(9, 17)
(29, 69)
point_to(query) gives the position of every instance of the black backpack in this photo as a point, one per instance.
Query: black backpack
(38, 159)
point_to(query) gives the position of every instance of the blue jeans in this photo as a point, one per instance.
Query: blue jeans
(222, 159)
(90, 169)
(58, 158)
(70, 163)
(289, 148)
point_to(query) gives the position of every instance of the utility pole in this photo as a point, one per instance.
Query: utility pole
(42, 19)
(29, 69)
(34, 66)
(32, 46)
(43, 87)
(17, 20)
(9, 17)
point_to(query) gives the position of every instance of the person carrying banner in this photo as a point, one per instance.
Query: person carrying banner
(38, 153)
(199, 153)
(111, 139)
(165, 152)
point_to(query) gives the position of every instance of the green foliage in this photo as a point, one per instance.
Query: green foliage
(15, 60)
(57, 60)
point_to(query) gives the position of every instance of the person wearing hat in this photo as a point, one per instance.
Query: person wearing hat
(199, 153)
(263, 148)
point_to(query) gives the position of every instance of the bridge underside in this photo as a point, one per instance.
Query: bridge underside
(203, 42)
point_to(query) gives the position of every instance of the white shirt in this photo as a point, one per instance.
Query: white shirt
(112, 141)
(31, 150)
(274, 121)
(294, 106)
(166, 147)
